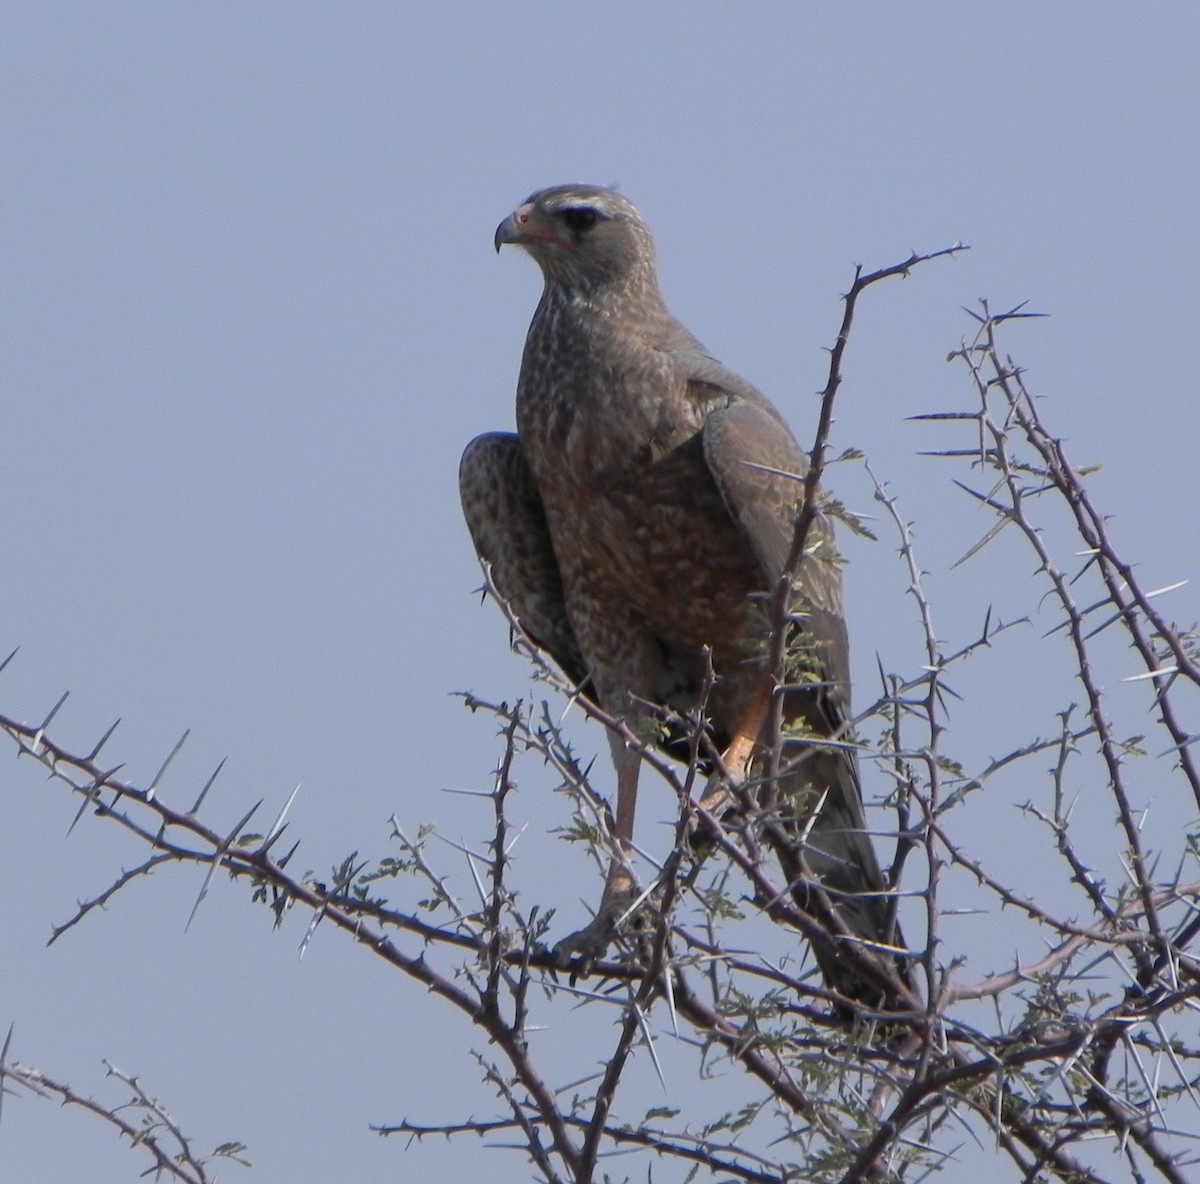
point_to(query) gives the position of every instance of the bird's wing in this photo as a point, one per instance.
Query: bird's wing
(507, 521)
(758, 467)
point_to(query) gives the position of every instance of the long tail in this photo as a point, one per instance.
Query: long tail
(822, 833)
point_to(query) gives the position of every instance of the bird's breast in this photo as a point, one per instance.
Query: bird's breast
(636, 518)
(657, 536)
(590, 413)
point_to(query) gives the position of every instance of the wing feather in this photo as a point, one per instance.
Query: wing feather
(507, 521)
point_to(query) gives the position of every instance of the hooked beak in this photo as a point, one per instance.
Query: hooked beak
(506, 232)
(525, 226)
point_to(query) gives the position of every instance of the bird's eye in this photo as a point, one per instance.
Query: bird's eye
(580, 217)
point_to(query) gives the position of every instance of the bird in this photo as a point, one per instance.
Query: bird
(634, 524)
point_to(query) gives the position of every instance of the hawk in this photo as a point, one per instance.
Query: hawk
(634, 523)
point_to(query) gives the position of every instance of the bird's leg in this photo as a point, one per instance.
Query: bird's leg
(580, 949)
(739, 752)
(628, 764)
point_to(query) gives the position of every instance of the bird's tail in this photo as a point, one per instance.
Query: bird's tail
(820, 837)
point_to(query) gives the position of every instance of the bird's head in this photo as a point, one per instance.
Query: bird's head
(582, 236)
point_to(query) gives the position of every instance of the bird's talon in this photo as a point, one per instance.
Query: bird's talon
(723, 806)
(579, 952)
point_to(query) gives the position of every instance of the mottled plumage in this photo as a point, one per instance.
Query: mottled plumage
(629, 534)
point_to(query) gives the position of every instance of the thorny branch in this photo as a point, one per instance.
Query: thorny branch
(1087, 1069)
(140, 1118)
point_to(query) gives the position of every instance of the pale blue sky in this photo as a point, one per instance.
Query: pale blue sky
(251, 316)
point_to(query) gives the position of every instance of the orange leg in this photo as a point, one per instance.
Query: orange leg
(739, 752)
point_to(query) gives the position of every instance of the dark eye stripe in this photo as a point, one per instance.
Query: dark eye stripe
(580, 217)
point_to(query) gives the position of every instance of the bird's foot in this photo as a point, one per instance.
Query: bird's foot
(579, 952)
(722, 804)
